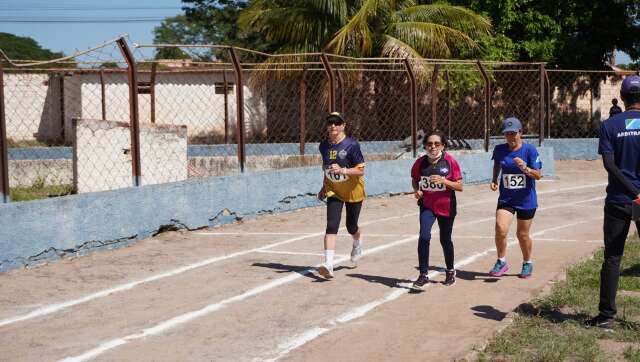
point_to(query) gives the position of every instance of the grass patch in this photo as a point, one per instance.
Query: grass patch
(632, 354)
(39, 190)
(11, 143)
(552, 328)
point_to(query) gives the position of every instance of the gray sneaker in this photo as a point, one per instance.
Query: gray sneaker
(356, 253)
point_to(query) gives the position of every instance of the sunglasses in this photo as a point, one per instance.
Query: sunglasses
(334, 123)
(429, 144)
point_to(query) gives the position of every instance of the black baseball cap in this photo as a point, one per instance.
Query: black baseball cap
(335, 117)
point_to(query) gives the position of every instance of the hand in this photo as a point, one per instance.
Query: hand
(637, 200)
(520, 163)
(418, 194)
(493, 186)
(436, 179)
(335, 168)
(321, 194)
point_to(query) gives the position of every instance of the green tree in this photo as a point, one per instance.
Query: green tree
(394, 28)
(24, 48)
(579, 34)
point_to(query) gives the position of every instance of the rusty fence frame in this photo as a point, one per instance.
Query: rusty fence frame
(335, 83)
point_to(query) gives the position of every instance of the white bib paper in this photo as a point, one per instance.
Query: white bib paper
(428, 186)
(514, 181)
(335, 177)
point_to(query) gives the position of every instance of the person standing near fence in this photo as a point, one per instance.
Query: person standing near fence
(620, 149)
(435, 178)
(615, 108)
(519, 166)
(343, 184)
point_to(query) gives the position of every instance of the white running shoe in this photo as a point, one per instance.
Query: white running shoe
(356, 253)
(326, 271)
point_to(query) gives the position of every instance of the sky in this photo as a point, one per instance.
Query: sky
(136, 18)
(94, 22)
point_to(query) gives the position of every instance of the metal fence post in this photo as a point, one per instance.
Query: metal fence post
(541, 107)
(152, 91)
(133, 112)
(487, 104)
(226, 107)
(239, 108)
(434, 97)
(62, 106)
(332, 88)
(414, 107)
(103, 101)
(303, 106)
(446, 77)
(548, 103)
(4, 159)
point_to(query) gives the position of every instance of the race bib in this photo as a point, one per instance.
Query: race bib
(428, 186)
(514, 181)
(335, 177)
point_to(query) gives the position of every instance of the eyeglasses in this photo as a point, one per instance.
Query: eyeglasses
(429, 144)
(334, 123)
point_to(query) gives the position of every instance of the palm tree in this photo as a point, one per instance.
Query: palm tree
(389, 28)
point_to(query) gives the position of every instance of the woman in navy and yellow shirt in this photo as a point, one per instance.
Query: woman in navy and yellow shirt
(343, 184)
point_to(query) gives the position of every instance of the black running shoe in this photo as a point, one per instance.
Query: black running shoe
(422, 280)
(600, 321)
(450, 277)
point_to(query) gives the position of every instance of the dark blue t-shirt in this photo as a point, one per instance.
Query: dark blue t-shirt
(620, 136)
(517, 189)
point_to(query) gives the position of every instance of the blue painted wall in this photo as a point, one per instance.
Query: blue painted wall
(33, 231)
(565, 149)
(574, 149)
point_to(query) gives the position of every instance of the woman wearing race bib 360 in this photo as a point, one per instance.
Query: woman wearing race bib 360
(519, 166)
(435, 178)
(343, 183)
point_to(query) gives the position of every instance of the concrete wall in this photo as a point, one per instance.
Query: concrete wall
(54, 163)
(36, 231)
(32, 105)
(574, 149)
(102, 154)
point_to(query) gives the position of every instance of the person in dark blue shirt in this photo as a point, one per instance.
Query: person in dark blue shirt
(519, 165)
(615, 108)
(620, 149)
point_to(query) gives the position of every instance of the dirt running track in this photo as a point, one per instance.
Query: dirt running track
(248, 292)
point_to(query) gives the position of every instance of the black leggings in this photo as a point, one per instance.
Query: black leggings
(334, 213)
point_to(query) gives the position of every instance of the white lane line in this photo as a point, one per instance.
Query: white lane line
(190, 316)
(215, 233)
(360, 311)
(308, 234)
(294, 253)
(573, 188)
(56, 307)
(536, 239)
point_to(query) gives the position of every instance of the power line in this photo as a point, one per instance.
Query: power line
(79, 20)
(93, 9)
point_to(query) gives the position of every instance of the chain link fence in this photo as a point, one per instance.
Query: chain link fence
(110, 117)
(580, 101)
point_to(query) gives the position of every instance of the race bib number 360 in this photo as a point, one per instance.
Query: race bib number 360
(428, 186)
(335, 177)
(514, 181)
